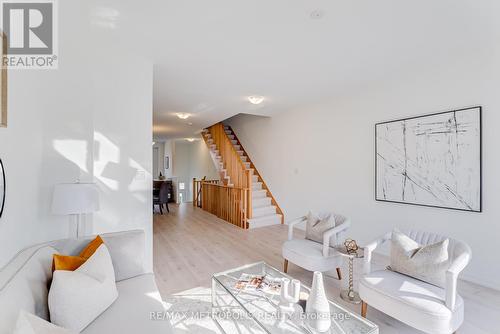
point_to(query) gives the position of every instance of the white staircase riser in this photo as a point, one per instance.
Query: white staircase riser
(257, 186)
(259, 194)
(260, 202)
(263, 211)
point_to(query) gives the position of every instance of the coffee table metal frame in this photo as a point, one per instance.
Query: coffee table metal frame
(271, 301)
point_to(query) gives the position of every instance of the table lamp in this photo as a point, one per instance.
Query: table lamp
(75, 199)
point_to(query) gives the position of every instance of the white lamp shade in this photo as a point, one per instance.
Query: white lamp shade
(75, 198)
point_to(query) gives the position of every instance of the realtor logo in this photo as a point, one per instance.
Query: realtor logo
(30, 32)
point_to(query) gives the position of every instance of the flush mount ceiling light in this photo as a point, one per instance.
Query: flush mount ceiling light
(255, 99)
(190, 140)
(183, 115)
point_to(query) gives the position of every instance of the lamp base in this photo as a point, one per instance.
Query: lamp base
(350, 296)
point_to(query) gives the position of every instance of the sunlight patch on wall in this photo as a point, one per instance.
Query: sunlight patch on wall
(106, 153)
(73, 150)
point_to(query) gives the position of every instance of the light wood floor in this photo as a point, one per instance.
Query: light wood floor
(190, 245)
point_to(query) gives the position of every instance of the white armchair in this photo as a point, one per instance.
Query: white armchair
(314, 256)
(426, 307)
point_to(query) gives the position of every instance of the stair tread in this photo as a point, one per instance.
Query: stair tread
(272, 215)
(262, 201)
(261, 206)
(274, 219)
(264, 211)
(259, 192)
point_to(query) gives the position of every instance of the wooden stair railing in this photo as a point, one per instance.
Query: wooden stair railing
(221, 173)
(197, 185)
(230, 157)
(230, 198)
(239, 176)
(226, 202)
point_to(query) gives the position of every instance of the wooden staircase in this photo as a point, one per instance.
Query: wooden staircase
(241, 197)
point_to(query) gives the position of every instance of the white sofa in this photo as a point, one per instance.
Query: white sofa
(423, 306)
(25, 282)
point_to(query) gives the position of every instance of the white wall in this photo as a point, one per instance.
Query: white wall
(90, 120)
(165, 149)
(322, 157)
(192, 160)
(169, 152)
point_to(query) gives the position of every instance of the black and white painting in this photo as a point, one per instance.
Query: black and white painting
(2, 187)
(432, 160)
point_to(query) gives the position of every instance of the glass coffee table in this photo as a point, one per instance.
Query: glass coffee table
(259, 311)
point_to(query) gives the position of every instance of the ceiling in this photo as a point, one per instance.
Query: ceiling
(210, 56)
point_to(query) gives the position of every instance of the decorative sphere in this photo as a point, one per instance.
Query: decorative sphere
(351, 246)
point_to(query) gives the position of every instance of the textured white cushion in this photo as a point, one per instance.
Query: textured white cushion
(130, 313)
(126, 250)
(317, 224)
(77, 297)
(28, 323)
(309, 255)
(428, 263)
(416, 303)
(24, 285)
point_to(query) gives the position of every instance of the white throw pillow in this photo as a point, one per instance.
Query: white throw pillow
(77, 297)
(127, 252)
(317, 225)
(28, 323)
(427, 263)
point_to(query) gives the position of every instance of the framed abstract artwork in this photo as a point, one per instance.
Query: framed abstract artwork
(433, 160)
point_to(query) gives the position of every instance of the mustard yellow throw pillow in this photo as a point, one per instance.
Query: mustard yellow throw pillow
(71, 263)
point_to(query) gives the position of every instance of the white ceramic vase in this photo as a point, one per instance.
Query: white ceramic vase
(289, 297)
(317, 308)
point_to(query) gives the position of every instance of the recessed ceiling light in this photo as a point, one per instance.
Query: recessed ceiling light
(317, 14)
(255, 99)
(190, 140)
(183, 115)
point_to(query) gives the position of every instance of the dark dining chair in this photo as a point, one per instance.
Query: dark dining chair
(161, 198)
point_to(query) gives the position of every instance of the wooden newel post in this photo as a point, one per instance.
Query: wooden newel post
(249, 185)
(195, 193)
